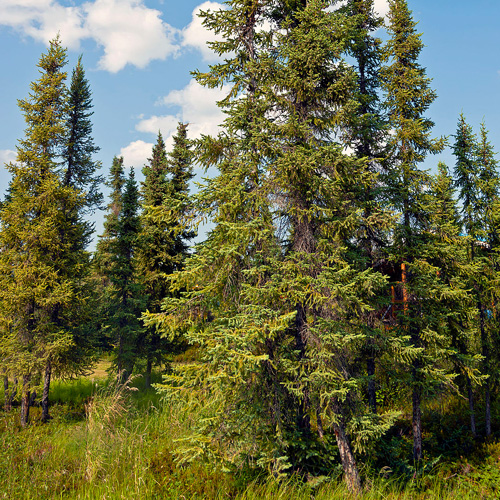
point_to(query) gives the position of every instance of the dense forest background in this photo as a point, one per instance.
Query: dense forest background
(339, 318)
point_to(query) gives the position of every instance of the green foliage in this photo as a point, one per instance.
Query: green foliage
(79, 169)
(116, 257)
(43, 262)
(125, 441)
(273, 298)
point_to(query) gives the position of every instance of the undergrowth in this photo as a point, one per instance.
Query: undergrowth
(118, 442)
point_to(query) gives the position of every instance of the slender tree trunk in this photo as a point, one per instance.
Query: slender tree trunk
(417, 419)
(370, 369)
(470, 396)
(32, 398)
(487, 408)
(45, 394)
(149, 367)
(351, 472)
(486, 355)
(25, 401)
(304, 421)
(321, 432)
(121, 375)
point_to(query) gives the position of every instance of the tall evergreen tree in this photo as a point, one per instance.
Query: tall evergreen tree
(477, 178)
(115, 182)
(163, 241)
(407, 97)
(116, 261)
(271, 297)
(79, 168)
(366, 133)
(38, 265)
(446, 248)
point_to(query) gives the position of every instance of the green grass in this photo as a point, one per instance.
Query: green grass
(109, 443)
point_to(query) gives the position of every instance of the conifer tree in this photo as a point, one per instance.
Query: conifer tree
(115, 182)
(447, 249)
(407, 97)
(116, 261)
(163, 241)
(38, 265)
(79, 168)
(477, 178)
(271, 297)
(366, 133)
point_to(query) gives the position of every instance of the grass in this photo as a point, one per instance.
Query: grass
(108, 442)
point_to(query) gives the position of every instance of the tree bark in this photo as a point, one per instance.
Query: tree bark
(372, 393)
(25, 401)
(417, 419)
(304, 421)
(351, 472)
(470, 395)
(45, 394)
(33, 397)
(486, 355)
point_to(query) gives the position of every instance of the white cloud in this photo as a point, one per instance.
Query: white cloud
(197, 106)
(381, 7)
(136, 154)
(196, 35)
(165, 124)
(43, 19)
(129, 32)
(7, 156)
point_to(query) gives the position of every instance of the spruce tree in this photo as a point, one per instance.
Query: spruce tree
(116, 261)
(163, 241)
(447, 249)
(477, 178)
(271, 297)
(407, 97)
(366, 133)
(38, 264)
(79, 168)
(115, 182)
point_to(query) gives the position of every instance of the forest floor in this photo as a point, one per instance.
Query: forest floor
(105, 442)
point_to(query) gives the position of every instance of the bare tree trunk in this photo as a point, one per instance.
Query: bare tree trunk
(25, 401)
(372, 393)
(470, 395)
(321, 432)
(417, 420)
(33, 398)
(487, 408)
(45, 394)
(351, 472)
(304, 421)
(486, 355)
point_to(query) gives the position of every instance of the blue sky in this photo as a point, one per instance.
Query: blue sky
(138, 55)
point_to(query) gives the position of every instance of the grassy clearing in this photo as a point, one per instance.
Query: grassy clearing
(106, 442)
